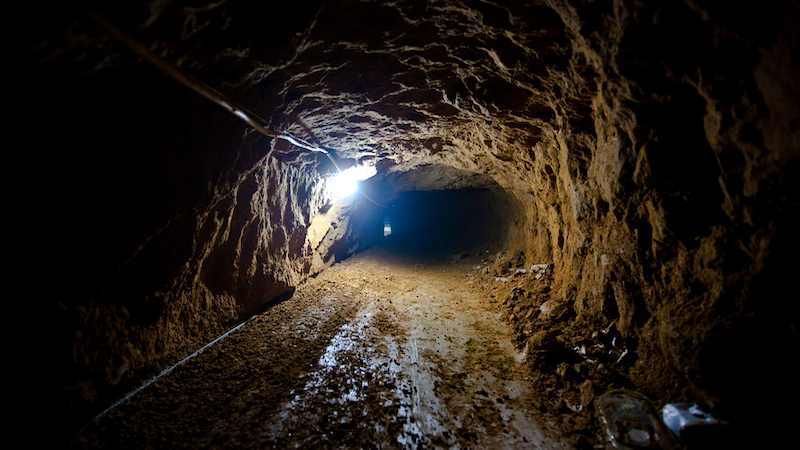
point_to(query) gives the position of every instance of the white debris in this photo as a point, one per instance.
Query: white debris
(539, 270)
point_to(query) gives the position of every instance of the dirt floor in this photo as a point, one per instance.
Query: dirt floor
(386, 349)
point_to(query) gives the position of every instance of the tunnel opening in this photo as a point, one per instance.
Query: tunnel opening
(434, 211)
(444, 223)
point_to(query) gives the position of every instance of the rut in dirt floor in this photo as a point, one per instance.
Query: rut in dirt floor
(376, 352)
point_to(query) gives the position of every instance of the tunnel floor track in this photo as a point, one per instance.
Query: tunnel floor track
(379, 351)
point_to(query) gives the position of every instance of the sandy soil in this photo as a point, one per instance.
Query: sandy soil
(383, 350)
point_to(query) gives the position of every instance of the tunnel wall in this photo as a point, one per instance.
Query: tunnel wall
(665, 192)
(164, 221)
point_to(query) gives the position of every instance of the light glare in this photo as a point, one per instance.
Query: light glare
(345, 183)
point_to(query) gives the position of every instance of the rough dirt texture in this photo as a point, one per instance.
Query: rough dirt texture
(383, 350)
(651, 149)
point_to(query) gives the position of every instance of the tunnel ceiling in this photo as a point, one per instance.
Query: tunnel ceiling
(649, 149)
(459, 83)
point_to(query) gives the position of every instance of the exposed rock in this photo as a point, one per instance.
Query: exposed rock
(542, 339)
(553, 310)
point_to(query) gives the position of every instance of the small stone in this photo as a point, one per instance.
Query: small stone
(541, 339)
(587, 393)
(553, 310)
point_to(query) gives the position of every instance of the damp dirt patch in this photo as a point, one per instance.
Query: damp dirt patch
(379, 351)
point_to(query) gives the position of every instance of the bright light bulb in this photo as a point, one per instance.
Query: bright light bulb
(345, 183)
(342, 186)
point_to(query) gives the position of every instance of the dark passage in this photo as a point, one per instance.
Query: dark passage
(442, 223)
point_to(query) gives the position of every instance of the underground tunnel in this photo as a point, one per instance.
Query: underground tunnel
(570, 224)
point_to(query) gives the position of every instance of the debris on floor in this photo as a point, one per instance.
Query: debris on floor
(694, 427)
(630, 422)
(539, 270)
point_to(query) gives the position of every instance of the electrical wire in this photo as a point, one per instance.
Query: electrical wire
(200, 87)
(165, 372)
(194, 84)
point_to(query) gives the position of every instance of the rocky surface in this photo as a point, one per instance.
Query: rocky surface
(369, 354)
(651, 149)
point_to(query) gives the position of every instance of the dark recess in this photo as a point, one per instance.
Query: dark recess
(442, 223)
